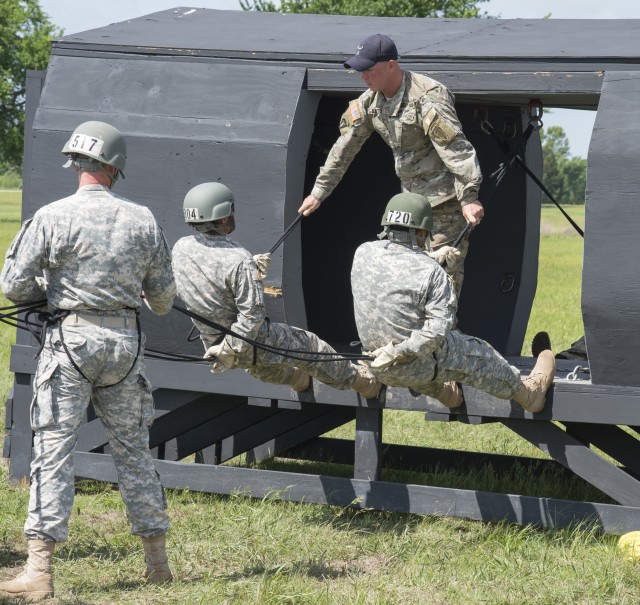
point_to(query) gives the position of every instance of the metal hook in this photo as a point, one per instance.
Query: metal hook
(535, 113)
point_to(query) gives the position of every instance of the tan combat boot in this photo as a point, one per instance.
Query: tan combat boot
(451, 395)
(299, 380)
(533, 389)
(155, 556)
(365, 384)
(35, 583)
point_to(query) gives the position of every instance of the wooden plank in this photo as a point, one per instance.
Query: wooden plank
(180, 421)
(168, 422)
(609, 299)
(250, 34)
(91, 436)
(208, 455)
(379, 495)
(21, 433)
(568, 400)
(577, 457)
(300, 433)
(425, 459)
(557, 88)
(219, 428)
(8, 422)
(612, 440)
(265, 434)
(368, 444)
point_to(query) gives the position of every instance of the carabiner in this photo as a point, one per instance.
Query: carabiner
(481, 115)
(535, 113)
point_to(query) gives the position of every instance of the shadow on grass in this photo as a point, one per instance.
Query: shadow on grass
(319, 570)
(101, 550)
(11, 558)
(541, 478)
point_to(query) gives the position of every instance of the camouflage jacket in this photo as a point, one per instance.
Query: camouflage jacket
(403, 296)
(217, 278)
(91, 251)
(432, 155)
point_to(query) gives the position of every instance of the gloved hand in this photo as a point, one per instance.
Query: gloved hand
(224, 356)
(447, 257)
(263, 261)
(385, 356)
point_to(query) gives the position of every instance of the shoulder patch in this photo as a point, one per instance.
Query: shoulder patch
(353, 117)
(355, 111)
(440, 129)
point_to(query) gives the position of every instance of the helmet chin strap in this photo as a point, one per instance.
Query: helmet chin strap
(82, 163)
(401, 236)
(211, 227)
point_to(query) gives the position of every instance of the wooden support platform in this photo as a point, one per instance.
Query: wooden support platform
(586, 430)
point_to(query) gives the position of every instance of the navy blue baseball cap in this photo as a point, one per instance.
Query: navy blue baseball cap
(371, 50)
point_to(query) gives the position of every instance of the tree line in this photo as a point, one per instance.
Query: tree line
(26, 32)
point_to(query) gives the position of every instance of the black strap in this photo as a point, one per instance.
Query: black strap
(535, 112)
(75, 365)
(319, 356)
(286, 233)
(498, 175)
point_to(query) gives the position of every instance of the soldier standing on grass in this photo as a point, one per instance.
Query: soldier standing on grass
(90, 255)
(405, 308)
(218, 279)
(416, 117)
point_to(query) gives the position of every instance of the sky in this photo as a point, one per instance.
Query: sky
(75, 17)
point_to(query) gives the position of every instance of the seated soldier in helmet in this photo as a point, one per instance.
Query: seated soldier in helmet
(218, 279)
(405, 307)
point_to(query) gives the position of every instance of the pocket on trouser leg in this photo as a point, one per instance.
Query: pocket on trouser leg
(43, 412)
(146, 402)
(475, 362)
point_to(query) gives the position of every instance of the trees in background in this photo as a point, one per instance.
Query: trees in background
(564, 175)
(372, 8)
(25, 32)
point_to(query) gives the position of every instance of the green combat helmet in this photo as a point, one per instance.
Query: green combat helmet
(206, 203)
(405, 213)
(93, 144)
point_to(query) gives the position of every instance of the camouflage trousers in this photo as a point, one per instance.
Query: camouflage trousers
(61, 397)
(448, 224)
(461, 358)
(276, 369)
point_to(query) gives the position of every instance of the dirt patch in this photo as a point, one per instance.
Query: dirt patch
(550, 229)
(373, 564)
(364, 565)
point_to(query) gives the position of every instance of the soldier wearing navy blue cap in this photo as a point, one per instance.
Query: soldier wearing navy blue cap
(416, 117)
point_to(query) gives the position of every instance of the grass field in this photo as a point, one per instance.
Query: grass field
(9, 225)
(235, 550)
(556, 307)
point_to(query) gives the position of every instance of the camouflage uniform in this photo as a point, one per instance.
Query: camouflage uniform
(402, 295)
(218, 279)
(95, 251)
(432, 155)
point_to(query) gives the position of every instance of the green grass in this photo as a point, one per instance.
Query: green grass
(556, 306)
(237, 550)
(10, 180)
(10, 202)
